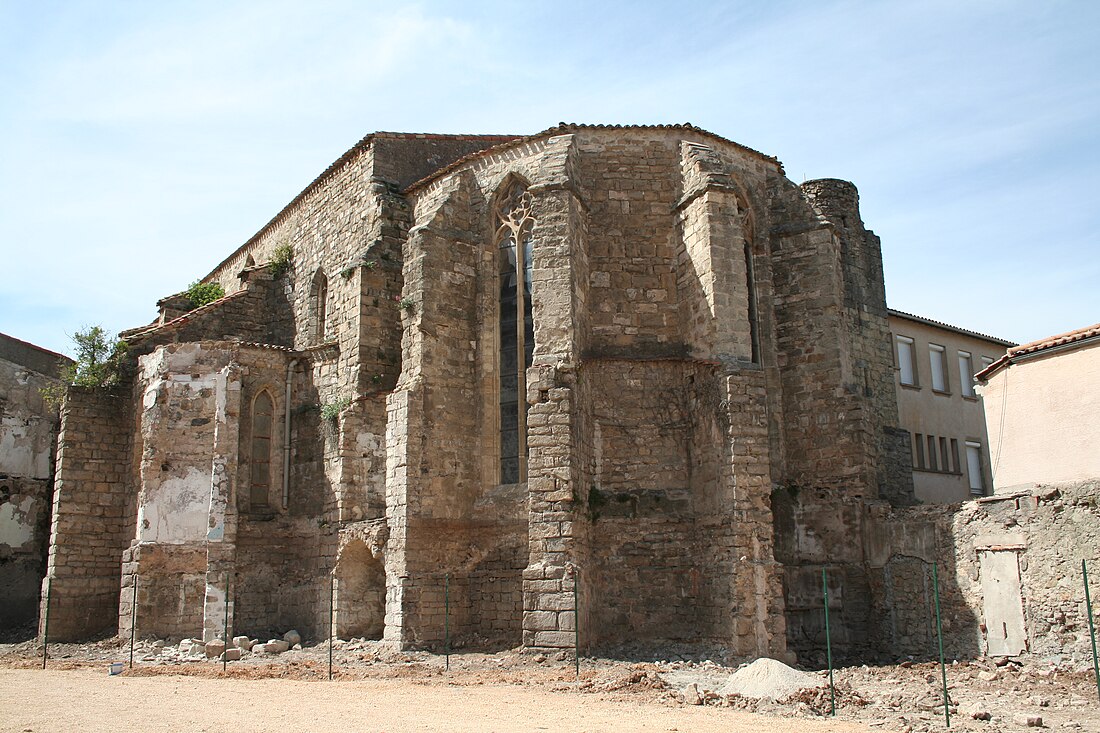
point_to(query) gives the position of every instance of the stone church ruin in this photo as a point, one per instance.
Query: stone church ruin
(634, 358)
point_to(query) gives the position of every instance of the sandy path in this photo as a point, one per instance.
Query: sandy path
(37, 701)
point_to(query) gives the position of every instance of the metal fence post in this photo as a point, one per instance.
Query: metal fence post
(828, 643)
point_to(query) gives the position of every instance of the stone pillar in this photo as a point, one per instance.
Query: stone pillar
(221, 534)
(556, 546)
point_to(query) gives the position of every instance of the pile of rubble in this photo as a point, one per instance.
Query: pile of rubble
(196, 649)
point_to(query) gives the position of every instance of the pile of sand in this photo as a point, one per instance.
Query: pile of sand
(770, 680)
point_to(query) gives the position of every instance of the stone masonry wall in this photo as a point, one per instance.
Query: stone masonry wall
(92, 498)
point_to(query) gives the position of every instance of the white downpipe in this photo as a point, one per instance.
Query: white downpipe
(286, 433)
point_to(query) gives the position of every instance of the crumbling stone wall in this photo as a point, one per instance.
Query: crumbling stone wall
(1042, 535)
(28, 430)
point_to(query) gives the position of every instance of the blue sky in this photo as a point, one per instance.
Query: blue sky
(142, 142)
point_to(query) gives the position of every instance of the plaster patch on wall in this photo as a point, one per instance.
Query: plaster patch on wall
(19, 454)
(177, 510)
(15, 530)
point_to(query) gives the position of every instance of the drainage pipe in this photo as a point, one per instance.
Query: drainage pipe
(286, 433)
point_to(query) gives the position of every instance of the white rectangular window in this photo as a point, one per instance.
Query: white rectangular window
(906, 366)
(966, 374)
(974, 467)
(939, 367)
(987, 361)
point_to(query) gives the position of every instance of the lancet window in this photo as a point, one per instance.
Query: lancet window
(514, 226)
(263, 409)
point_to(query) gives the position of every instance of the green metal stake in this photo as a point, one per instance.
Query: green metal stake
(828, 644)
(225, 626)
(447, 620)
(939, 635)
(1092, 630)
(576, 621)
(331, 618)
(46, 621)
(133, 620)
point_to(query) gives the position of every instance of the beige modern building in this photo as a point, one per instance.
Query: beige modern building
(1042, 401)
(940, 407)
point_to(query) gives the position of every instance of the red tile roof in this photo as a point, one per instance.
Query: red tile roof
(1050, 342)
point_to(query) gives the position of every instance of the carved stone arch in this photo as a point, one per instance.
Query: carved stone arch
(250, 261)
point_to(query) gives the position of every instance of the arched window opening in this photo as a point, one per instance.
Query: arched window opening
(748, 234)
(263, 409)
(514, 241)
(754, 331)
(319, 307)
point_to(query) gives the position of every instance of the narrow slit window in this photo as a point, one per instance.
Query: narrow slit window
(918, 455)
(319, 298)
(945, 462)
(955, 456)
(754, 329)
(932, 464)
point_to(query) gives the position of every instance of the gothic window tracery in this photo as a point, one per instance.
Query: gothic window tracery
(514, 241)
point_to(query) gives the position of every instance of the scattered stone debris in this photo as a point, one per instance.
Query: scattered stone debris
(899, 697)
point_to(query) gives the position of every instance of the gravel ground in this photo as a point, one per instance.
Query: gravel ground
(511, 690)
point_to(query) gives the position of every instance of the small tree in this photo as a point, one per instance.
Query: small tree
(98, 364)
(200, 293)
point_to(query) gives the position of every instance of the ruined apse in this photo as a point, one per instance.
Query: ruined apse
(614, 384)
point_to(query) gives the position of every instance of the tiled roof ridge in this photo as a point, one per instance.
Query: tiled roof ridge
(180, 320)
(1034, 347)
(934, 322)
(1077, 334)
(563, 127)
(364, 143)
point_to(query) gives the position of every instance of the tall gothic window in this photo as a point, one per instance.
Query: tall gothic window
(514, 242)
(263, 409)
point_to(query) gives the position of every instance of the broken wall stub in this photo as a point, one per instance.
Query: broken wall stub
(28, 431)
(1009, 570)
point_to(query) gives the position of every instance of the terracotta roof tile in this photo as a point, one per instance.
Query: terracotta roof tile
(1034, 347)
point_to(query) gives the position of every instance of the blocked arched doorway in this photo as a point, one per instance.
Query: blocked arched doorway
(360, 603)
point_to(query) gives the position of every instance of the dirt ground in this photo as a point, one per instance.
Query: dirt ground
(379, 690)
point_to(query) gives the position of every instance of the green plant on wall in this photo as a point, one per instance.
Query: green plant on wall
(331, 410)
(200, 293)
(100, 363)
(281, 260)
